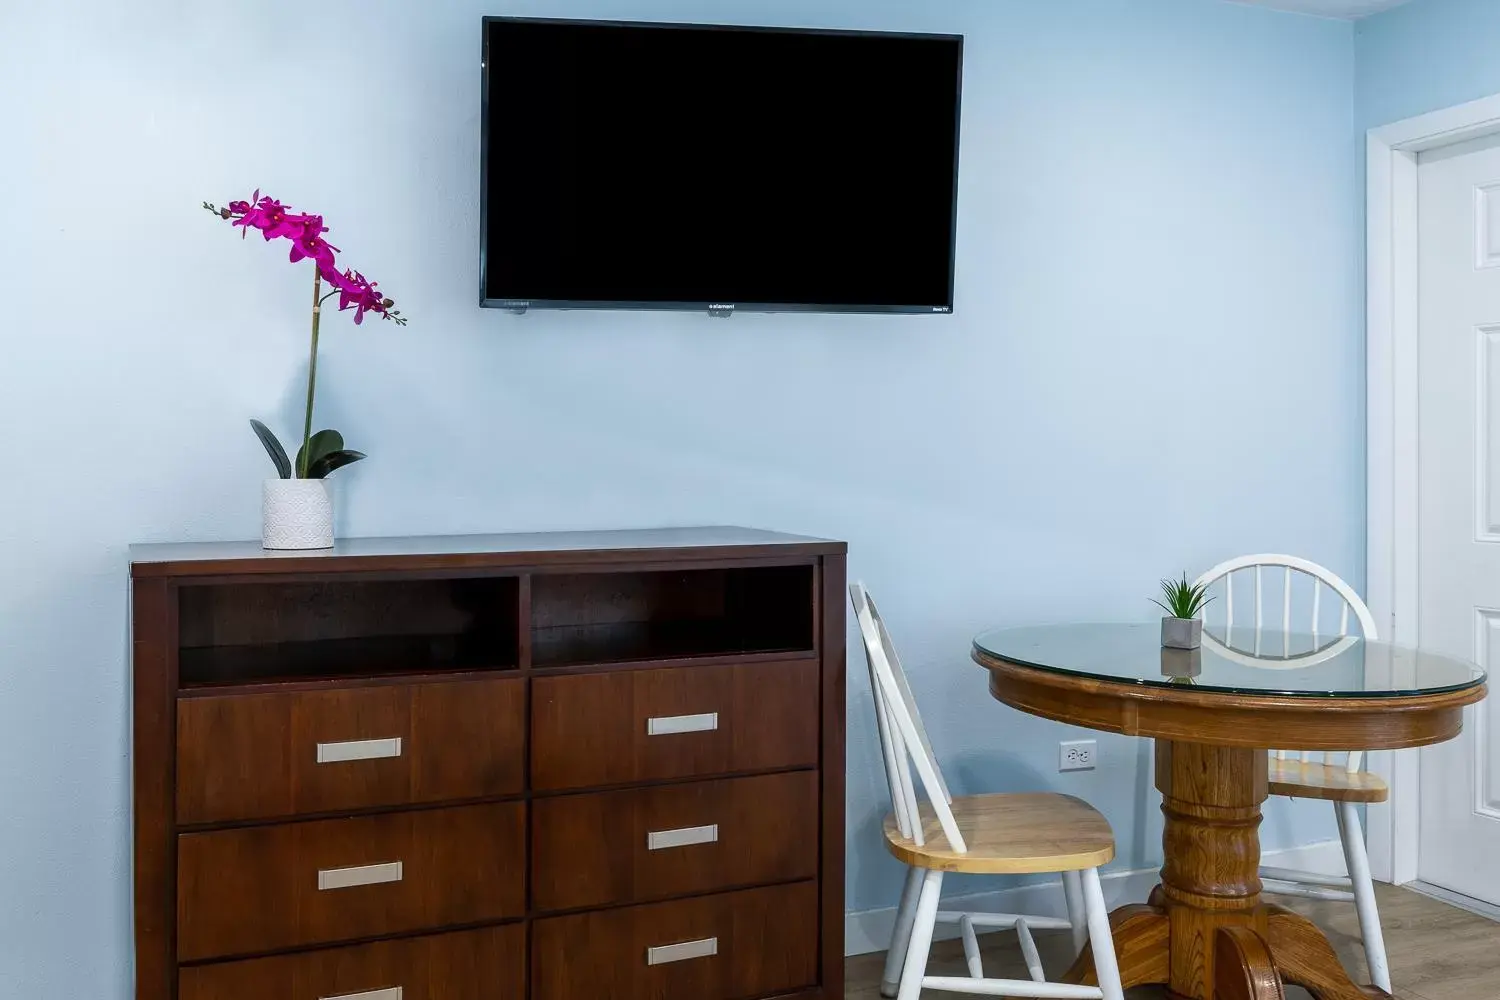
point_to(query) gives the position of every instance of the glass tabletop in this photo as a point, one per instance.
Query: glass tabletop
(1242, 660)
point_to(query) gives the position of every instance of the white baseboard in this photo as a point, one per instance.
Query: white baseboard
(870, 930)
(1476, 906)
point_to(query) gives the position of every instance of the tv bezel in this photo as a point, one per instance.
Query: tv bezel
(718, 308)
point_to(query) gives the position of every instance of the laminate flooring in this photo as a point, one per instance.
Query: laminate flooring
(1437, 951)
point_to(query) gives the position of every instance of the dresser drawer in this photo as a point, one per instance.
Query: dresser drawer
(672, 840)
(741, 944)
(628, 726)
(263, 756)
(261, 889)
(474, 965)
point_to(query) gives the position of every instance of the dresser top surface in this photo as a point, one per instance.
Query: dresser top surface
(470, 551)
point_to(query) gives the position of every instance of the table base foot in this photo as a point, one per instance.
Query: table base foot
(1141, 936)
(1247, 964)
(1307, 959)
(1243, 967)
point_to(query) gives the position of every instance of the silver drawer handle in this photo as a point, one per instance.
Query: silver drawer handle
(666, 725)
(394, 993)
(661, 840)
(668, 953)
(348, 878)
(335, 753)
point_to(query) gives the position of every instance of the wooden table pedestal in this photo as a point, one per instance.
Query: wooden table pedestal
(1206, 933)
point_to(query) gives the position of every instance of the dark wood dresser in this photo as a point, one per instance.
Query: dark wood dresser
(570, 766)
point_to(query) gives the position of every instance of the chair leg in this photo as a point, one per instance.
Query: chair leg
(1077, 913)
(1358, 860)
(1101, 937)
(921, 937)
(895, 956)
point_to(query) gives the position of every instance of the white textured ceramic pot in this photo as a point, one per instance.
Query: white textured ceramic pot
(1182, 633)
(296, 514)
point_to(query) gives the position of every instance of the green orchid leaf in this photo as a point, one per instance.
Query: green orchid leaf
(324, 442)
(273, 448)
(332, 462)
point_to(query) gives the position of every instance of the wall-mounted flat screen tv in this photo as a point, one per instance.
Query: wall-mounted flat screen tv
(664, 166)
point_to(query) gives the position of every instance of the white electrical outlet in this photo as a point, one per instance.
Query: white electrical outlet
(1076, 755)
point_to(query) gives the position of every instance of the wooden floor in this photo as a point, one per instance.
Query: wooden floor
(1437, 952)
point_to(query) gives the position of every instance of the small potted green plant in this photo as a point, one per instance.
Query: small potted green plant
(1182, 628)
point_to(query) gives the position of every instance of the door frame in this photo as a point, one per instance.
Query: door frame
(1391, 338)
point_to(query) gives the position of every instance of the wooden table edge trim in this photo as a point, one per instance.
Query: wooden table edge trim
(1144, 710)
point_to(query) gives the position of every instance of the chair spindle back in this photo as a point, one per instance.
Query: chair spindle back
(1290, 568)
(903, 739)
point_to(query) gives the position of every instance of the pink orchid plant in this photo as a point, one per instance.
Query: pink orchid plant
(323, 452)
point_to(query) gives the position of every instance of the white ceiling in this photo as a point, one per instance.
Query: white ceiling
(1330, 8)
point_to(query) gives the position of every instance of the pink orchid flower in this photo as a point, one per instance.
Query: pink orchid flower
(307, 240)
(276, 220)
(332, 275)
(362, 294)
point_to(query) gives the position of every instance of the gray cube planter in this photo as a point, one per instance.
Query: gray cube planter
(1182, 633)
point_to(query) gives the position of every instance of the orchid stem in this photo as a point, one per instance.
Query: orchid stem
(312, 374)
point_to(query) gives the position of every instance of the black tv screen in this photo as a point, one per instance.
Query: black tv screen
(671, 166)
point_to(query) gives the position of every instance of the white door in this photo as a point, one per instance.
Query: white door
(1459, 501)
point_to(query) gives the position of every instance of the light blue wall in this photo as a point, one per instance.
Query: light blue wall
(1155, 364)
(1426, 55)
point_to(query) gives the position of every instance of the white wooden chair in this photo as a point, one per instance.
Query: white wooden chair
(992, 834)
(1310, 775)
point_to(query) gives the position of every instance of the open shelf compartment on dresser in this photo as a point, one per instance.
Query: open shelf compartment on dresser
(596, 618)
(242, 633)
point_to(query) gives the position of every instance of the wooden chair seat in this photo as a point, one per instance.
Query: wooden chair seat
(1300, 780)
(1010, 834)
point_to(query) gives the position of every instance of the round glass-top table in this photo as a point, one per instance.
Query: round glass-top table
(1241, 660)
(1214, 713)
